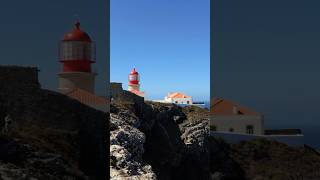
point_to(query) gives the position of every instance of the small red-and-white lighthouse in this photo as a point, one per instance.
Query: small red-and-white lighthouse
(76, 53)
(134, 79)
(134, 85)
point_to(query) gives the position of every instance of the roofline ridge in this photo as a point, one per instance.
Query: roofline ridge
(73, 90)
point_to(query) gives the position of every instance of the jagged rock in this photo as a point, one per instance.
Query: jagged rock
(126, 151)
(119, 155)
(154, 130)
(163, 141)
(130, 138)
(195, 133)
(217, 176)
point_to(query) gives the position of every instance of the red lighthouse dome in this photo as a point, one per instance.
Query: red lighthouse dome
(134, 71)
(77, 51)
(134, 77)
(77, 34)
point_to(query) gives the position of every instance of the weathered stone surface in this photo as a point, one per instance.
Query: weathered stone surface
(126, 151)
(196, 133)
(154, 129)
(173, 143)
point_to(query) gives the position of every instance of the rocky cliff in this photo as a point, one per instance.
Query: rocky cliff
(163, 141)
(156, 141)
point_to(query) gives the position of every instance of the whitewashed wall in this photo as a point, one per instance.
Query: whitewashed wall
(238, 122)
(180, 100)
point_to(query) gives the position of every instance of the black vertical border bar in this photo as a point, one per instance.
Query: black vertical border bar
(107, 127)
(108, 48)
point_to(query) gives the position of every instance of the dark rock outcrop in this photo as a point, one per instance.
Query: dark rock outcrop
(22, 161)
(58, 129)
(266, 159)
(163, 141)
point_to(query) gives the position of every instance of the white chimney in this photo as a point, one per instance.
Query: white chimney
(235, 110)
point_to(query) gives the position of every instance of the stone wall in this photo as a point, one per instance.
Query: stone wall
(115, 89)
(123, 96)
(127, 97)
(19, 77)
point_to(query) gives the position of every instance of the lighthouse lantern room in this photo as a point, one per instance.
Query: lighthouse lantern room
(134, 77)
(134, 80)
(76, 53)
(134, 85)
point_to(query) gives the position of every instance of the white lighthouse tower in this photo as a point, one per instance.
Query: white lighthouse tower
(76, 53)
(134, 85)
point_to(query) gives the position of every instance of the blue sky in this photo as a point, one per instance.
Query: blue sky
(266, 57)
(166, 41)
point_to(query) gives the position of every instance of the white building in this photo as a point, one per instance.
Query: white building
(236, 123)
(178, 98)
(227, 116)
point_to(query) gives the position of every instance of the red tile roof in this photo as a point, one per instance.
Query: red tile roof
(225, 107)
(177, 95)
(86, 97)
(139, 93)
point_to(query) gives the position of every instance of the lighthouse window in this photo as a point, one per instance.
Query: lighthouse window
(132, 78)
(213, 128)
(76, 50)
(249, 129)
(87, 51)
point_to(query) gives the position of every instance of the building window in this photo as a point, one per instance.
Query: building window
(213, 128)
(187, 102)
(231, 129)
(176, 102)
(249, 129)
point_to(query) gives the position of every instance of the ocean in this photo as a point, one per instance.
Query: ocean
(207, 104)
(311, 135)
